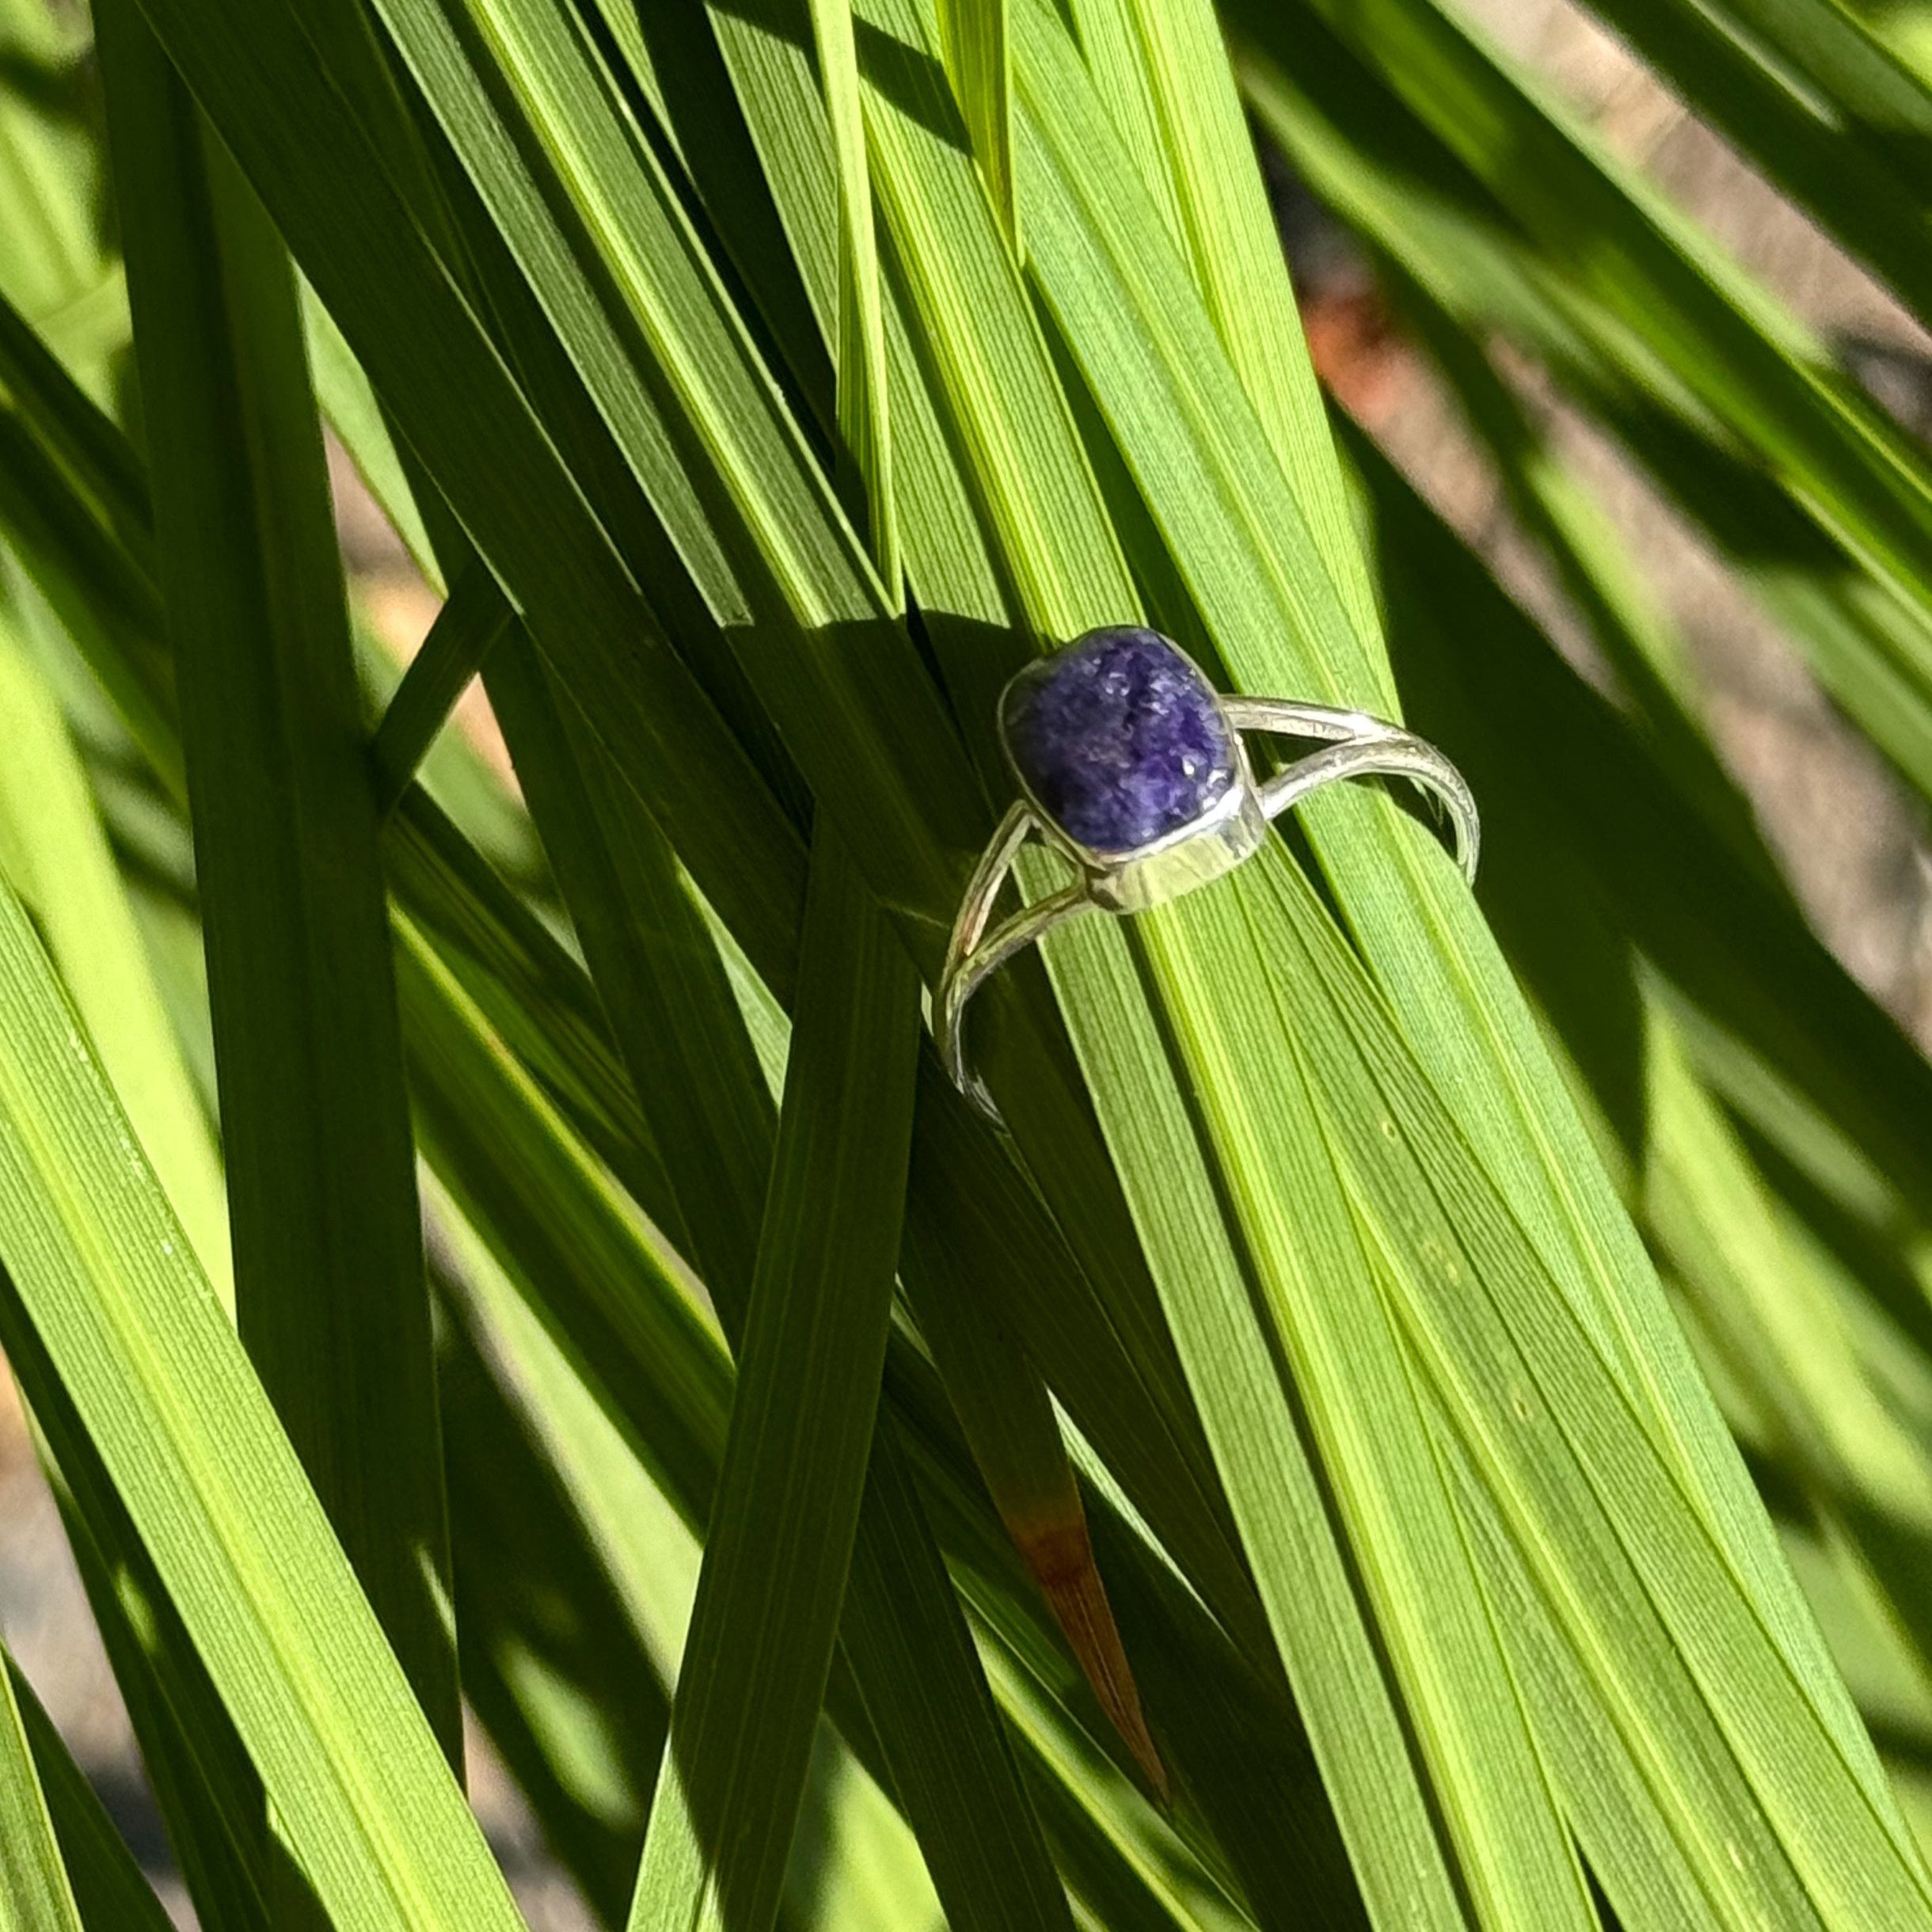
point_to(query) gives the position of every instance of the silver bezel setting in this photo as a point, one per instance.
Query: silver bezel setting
(1214, 841)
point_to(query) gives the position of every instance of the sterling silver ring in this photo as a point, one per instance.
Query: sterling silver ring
(1131, 765)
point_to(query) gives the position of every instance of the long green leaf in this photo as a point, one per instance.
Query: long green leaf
(330, 1294)
(108, 1888)
(975, 40)
(210, 1799)
(52, 848)
(865, 413)
(1175, 59)
(34, 1893)
(787, 1504)
(553, 1664)
(102, 1270)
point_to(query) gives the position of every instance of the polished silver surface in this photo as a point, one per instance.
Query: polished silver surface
(1356, 745)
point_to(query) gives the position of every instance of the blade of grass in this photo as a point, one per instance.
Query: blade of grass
(108, 1888)
(1759, 1290)
(532, 989)
(553, 1665)
(1228, 229)
(49, 169)
(466, 630)
(208, 1795)
(976, 46)
(330, 1296)
(355, 415)
(242, 1549)
(787, 1504)
(853, 1863)
(1007, 1415)
(36, 1894)
(1157, 1886)
(73, 425)
(1079, 1340)
(655, 966)
(943, 1747)
(52, 848)
(865, 416)
(554, 1217)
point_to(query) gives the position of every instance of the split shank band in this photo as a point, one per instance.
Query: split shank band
(1132, 767)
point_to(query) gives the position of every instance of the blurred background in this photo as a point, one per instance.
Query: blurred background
(1852, 842)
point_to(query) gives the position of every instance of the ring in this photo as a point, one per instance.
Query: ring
(1130, 765)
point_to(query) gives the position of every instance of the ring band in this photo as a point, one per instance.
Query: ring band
(1132, 765)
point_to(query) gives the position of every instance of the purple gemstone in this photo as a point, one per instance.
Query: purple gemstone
(1118, 737)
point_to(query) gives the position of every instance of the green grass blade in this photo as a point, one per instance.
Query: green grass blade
(561, 1228)
(865, 414)
(656, 969)
(53, 849)
(74, 427)
(1761, 1289)
(943, 1747)
(1006, 1412)
(554, 1664)
(329, 1266)
(241, 1546)
(466, 630)
(531, 988)
(209, 1797)
(36, 1894)
(1227, 226)
(975, 43)
(108, 1888)
(1236, 1741)
(787, 1504)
